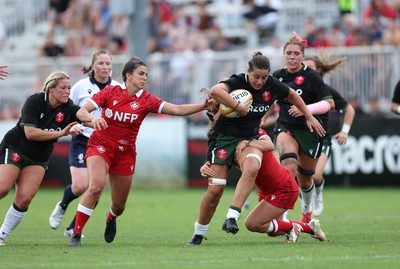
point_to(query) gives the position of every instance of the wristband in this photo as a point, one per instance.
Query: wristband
(237, 105)
(346, 128)
(398, 110)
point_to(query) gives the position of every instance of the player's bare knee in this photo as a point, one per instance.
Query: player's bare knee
(305, 177)
(250, 225)
(118, 209)
(3, 192)
(79, 188)
(216, 187)
(251, 164)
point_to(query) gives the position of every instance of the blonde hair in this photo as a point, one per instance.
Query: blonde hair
(52, 80)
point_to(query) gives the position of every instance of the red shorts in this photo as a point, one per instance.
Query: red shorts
(285, 196)
(120, 158)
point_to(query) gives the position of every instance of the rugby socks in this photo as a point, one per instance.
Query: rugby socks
(200, 228)
(72, 225)
(305, 226)
(13, 217)
(319, 187)
(82, 216)
(68, 197)
(276, 226)
(233, 212)
(111, 215)
(306, 199)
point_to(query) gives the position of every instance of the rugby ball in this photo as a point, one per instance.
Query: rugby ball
(244, 97)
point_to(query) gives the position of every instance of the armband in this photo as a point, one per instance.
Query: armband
(346, 128)
(319, 108)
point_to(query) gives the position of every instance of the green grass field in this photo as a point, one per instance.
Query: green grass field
(362, 226)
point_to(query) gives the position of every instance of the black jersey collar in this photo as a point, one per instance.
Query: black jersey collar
(100, 85)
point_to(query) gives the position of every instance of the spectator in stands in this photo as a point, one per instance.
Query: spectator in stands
(321, 39)
(346, 6)
(116, 46)
(373, 30)
(336, 36)
(57, 10)
(50, 48)
(119, 30)
(310, 29)
(73, 47)
(3, 72)
(380, 9)
(265, 14)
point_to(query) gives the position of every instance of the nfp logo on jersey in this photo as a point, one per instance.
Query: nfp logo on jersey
(120, 116)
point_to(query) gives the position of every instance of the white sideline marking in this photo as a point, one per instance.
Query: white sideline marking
(213, 261)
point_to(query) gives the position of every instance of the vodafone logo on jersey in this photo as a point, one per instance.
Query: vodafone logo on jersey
(221, 154)
(134, 105)
(299, 80)
(15, 157)
(59, 117)
(266, 96)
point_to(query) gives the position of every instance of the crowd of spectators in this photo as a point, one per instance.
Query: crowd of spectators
(80, 27)
(378, 25)
(184, 29)
(218, 25)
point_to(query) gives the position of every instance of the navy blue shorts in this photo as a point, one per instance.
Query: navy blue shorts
(77, 151)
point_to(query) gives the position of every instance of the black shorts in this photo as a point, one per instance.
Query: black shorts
(77, 151)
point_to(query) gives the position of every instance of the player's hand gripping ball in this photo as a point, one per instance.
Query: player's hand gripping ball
(244, 97)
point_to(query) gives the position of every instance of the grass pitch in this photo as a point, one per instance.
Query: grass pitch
(362, 226)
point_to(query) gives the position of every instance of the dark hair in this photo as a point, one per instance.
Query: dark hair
(323, 63)
(131, 65)
(259, 61)
(88, 70)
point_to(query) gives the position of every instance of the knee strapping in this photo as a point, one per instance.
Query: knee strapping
(256, 156)
(304, 171)
(216, 181)
(287, 156)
